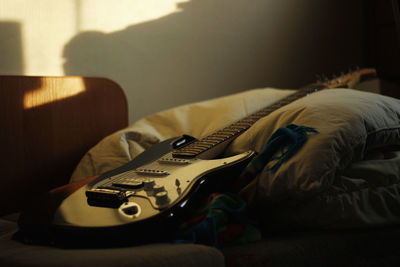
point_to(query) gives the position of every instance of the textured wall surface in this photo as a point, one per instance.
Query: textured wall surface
(169, 52)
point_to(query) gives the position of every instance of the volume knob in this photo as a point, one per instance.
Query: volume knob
(148, 184)
(162, 198)
(158, 188)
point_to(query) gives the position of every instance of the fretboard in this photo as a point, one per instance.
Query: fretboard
(232, 131)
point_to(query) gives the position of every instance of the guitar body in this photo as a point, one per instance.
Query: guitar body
(146, 199)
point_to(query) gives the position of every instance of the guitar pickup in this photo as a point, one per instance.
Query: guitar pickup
(105, 197)
(169, 160)
(151, 172)
(129, 183)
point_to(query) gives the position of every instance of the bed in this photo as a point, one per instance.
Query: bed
(342, 207)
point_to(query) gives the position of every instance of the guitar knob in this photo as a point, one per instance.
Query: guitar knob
(148, 184)
(158, 188)
(162, 198)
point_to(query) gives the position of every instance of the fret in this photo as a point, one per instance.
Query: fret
(230, 133)
(194, 146)
(238, 125)
(212, 139)
(200, 145)
(205, 146)
(259, 115)
(239, 128)
(264, 110)
(190, 148)
(225, 134)
(247, 121)
(277, 105)
(187, 150)
(256, 115)
(270, 110)
(235, 128)
(219, 137)
(220, 134)
(242, 124)
(207, 142)
(284, 103)
(217, 140)
(222, 138)
(253, 118)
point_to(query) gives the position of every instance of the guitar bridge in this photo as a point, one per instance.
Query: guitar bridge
(105, 197)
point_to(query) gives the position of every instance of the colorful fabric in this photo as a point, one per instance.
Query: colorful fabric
(223, 220)
(286, 141)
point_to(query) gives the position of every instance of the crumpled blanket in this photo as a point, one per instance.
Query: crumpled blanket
(348, 175)
(223, 221)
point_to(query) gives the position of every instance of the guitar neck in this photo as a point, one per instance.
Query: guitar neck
(232, 131)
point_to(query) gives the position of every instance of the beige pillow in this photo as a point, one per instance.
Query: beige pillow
(310, 188)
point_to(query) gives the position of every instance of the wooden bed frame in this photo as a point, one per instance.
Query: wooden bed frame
(48, 123)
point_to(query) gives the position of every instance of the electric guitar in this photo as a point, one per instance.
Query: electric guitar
(154, 193)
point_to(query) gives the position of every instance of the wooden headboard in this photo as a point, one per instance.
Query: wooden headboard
(48, 123)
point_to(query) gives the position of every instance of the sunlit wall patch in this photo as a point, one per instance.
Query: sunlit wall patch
(51, 92)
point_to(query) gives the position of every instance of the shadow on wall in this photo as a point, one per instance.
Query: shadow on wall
(11, 61)
(212, 48)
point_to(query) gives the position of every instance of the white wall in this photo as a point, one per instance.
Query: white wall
(169, 52)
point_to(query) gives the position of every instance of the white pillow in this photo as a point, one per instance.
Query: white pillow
(311, 188)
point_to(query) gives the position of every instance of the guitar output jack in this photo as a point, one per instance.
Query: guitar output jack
(130, 210)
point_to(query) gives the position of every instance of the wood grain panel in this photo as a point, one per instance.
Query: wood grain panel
(43, 141)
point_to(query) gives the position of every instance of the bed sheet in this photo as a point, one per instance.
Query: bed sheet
(345, 176)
